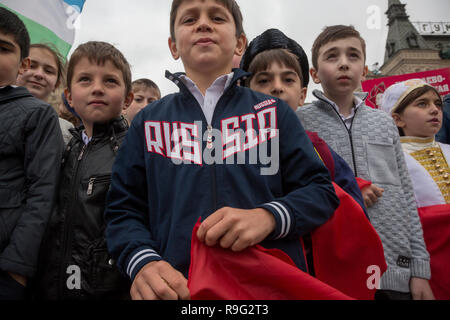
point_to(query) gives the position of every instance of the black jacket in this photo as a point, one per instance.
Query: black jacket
(31, 146)
(74, 258)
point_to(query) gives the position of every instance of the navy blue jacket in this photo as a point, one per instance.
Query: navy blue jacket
(154, 200)
(444, 134)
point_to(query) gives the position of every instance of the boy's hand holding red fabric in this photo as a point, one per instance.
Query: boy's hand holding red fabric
(255, 273)
(236, 229)
(343, 249)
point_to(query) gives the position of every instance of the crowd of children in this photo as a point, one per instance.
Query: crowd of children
(103, 206)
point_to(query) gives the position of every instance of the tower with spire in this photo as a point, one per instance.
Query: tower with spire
(407, 50)
(402, 34)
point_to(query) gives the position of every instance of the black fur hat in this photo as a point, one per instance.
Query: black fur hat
(275, 39)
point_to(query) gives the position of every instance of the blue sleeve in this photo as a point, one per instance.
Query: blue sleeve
(126, 215)
(309, 198)
(444, 135)
(345, 178)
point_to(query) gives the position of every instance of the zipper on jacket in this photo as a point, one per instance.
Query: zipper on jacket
(94, 180)
(82, 152)
(349, 132)
(209, 143)
(67, 230)
(351, 142)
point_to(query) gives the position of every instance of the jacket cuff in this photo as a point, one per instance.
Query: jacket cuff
(283, 219)
(420, 269)
(138, 259)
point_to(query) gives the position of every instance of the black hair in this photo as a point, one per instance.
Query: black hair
(11, 24)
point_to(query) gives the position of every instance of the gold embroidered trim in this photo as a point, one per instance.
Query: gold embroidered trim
(433, 160)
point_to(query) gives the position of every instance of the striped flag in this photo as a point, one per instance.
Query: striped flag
(48, 21)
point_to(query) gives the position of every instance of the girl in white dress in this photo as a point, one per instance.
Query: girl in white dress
(416, 108)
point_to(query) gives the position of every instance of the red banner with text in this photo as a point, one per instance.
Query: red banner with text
(439, 78)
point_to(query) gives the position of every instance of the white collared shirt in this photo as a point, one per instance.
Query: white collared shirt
(85, 137)
(213, 93)
(348, 119)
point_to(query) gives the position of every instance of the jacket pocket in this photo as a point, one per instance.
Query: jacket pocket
(9, 198)
(3, 235)
(382, 161)
(10, 201)
(104, 273)
(94, 181)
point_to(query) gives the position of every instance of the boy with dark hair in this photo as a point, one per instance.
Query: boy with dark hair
(368, 141)
(30, 152)
(74, 261)
(279, 67)
(145, 91)
(163, 183)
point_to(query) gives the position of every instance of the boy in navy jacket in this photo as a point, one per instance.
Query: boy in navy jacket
(237, 159)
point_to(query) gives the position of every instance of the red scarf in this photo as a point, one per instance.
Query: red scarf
(436, 233)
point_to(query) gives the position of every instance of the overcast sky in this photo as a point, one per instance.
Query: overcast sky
(140, 28)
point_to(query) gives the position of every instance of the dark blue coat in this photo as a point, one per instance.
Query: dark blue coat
(444, 134)
(154, 201)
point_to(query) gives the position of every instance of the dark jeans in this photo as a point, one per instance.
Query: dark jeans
(392, 295)
(10, 289)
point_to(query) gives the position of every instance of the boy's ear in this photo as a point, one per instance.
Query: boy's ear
(68, 96)
(241, 45)
(313, 73)
(128, 100)
(365, 72)
(304, 92)
(173, 48)
(24, 65)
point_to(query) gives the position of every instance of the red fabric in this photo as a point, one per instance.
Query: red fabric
(345, 246)
(322, 149)
(363, 183)
(436, 232)
(253, 274)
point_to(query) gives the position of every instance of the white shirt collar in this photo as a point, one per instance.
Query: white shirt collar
(85, 138)
(358, 101)
(212, 95)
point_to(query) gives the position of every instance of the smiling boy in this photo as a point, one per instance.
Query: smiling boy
(74, 260)
(145, 92)
(369, 142)
(162, 183)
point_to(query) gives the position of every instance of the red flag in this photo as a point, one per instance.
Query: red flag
(436, 233)
(362, 183)
(347, 249)
(253, 274)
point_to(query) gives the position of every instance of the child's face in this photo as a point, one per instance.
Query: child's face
(281, 82)
(340, 67)
(97, 93)
(10, 63)
(42, 76)
(205, 35)
(423, 117)
(142, 98)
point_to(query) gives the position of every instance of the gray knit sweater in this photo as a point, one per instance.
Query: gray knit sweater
(372, 149)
